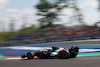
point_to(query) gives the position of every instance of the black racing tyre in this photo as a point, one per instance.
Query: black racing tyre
(64, 55)
(30, 55)
(23, 56)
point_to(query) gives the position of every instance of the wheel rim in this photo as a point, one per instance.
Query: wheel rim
(64, 55)
(30, 56)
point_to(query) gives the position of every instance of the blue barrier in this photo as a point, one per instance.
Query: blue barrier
(32, 42)
(95, 37)
(58, 40)
(49, 40)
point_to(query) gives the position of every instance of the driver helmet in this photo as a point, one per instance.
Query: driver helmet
(52, 46)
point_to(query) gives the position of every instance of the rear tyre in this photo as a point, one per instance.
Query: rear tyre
(30, 55)
(64, 55)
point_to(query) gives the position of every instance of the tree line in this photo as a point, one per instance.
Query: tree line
(49, 10)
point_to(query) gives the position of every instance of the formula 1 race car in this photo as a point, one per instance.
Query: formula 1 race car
(55, 52)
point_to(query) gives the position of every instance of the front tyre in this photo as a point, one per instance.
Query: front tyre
(30, 55)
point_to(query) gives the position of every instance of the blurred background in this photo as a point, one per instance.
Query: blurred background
(40, 21)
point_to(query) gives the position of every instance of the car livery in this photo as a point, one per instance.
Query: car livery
(55, 52)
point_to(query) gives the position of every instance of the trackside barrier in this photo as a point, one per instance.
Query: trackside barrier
(48, 40)
(12, 44)
(57, 40)
(32, 42)
(95, 37)
(82, 38)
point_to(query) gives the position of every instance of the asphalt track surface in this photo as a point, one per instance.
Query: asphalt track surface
(92, 61)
